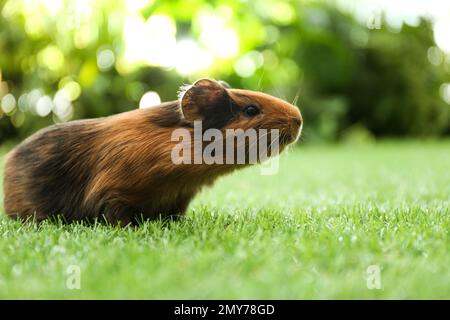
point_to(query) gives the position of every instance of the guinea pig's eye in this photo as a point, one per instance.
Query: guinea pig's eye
(251, 111)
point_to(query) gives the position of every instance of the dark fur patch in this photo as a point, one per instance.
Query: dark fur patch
(61, 173)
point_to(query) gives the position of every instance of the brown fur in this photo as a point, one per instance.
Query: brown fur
(120, 167)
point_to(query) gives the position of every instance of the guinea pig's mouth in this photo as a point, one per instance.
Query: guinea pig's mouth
(291, 134)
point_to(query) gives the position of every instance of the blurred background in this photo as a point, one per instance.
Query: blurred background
(361, 69)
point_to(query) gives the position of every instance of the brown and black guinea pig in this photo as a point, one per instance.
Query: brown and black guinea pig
(119, 168)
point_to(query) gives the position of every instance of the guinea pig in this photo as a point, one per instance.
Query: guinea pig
(120, 168)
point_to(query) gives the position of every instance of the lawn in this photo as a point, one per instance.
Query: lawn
(310, 231)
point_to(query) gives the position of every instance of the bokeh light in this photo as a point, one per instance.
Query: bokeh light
(62, 106)
(152, 41)
(248, 63)
(222, 41)
(445, 92)
(441, 34)
(44, 106)
(105, 59)
(190, 57)
(8, 103)
(149, 99)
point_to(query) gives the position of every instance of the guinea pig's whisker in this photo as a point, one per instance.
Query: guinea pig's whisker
(297, 96)
(254, 142)
(257, 140)
(271, 143)
(260, 80)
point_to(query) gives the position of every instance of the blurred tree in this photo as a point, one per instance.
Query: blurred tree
(64, 60)
(396, 89)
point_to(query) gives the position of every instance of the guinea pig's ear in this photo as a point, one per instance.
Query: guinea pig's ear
(208, 101)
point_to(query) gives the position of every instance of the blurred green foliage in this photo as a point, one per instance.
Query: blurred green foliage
(62, 60)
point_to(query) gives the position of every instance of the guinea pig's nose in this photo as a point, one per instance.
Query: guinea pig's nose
(298, 122)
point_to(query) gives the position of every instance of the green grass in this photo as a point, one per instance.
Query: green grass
(311, 231)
